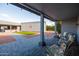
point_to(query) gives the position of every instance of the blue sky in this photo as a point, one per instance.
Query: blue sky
(15, 14)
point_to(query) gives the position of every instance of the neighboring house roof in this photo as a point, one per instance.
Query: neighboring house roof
(32, 22)
(8, 23)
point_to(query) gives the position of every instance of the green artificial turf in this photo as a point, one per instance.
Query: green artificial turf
(26, 33)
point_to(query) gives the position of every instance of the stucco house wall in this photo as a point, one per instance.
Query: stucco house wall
(32, 26)
(26, 26)
(69, 25)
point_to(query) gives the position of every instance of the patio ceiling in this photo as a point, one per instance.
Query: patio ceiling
(53, 11)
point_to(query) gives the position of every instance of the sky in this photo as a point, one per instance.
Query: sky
(12, 13)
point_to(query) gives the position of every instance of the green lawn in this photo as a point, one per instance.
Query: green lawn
(26, 33)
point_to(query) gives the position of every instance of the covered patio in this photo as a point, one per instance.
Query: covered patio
(68, 12)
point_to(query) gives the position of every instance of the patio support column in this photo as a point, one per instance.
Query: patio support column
(55, 27)
(10, 28)
(18, 28)
(42, 30)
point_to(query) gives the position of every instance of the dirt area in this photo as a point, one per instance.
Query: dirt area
(5, 33)
(6, 38)
(31, 36)
(47, 33)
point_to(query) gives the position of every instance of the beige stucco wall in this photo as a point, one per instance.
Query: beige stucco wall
(32, 26)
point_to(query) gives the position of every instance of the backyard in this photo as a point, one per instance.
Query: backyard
(20, 44)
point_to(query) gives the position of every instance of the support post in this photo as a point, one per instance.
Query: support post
(55, 27)
(42, 30)
(10, 28)
(18, 28)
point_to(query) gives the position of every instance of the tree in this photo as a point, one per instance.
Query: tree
(50, 28)
(59, 22)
